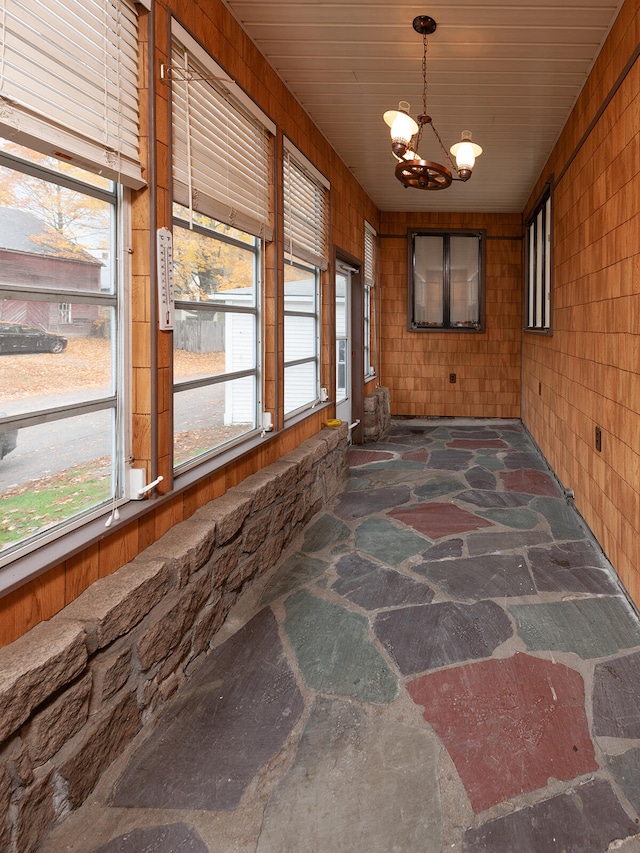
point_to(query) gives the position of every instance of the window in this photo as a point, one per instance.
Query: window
(538, 267)
(61, 346)
(369, 331)
(446, 280)
(222, 215)
(307, 253)
(216, 334)
(301, 335)
(69, 128)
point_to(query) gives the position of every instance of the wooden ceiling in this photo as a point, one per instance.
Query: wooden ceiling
(508, 71)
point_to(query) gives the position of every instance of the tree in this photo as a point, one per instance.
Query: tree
(72, 217)
(205, 265)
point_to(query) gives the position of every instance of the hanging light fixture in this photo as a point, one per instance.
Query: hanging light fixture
(406, 135)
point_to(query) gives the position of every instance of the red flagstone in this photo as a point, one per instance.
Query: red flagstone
(420, 455)
(509, 725)
(363, 457)
(439, 519)
(531, 482)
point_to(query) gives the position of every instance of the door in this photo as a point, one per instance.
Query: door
(343, 342)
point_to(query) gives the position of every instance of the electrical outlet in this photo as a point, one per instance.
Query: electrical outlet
(452, 378)
(598, 439)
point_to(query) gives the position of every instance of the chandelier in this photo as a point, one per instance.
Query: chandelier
(406, 135)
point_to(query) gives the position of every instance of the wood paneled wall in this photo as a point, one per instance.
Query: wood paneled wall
(587, 373)
(210, 22)
(416, 365)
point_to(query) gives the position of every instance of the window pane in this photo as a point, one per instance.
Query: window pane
(300, 386)
(531, 277)
(341, 306)
(341, 370)
(547, 263)
(210, 269)
(210, 224)
(53, 354)
(59, 344)
(52, 471)
(54, 164)
(428, 279)
(210, 343)
(53, 237)
(368, 369)
(538, 268)
(300, 290)
(464, 280)
(299, 337)
(216, 273)
(207, 418)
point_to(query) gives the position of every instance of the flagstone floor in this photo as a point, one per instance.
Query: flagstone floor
(444, 662)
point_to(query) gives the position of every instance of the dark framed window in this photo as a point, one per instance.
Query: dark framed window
(538, 266)
(446, 280)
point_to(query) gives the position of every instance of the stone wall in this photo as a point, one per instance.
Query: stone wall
(76, 689)
(377, 414)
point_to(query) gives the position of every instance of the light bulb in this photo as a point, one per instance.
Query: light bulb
(403, 127)
(465, 153)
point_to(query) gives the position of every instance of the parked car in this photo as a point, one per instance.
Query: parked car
(8, 440)
(16, 338)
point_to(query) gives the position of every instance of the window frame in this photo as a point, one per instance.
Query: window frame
(446, 234)
(370, 330)
(206, 180)
(538, 266)
(119, 401)
(220, 307)
(309, 269)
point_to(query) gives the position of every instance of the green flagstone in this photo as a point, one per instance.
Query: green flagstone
(519, 519)
(357, 783)
(563, 519)
(326, 530)
(439, 486)
(381, 539)
(625, 769)
(493, 463)
(590, 627)
(358, 484)
(441, 433)
(334, 652)
(294, 572)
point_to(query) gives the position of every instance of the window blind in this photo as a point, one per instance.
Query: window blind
(306, 212)
(221, 152)
(69, 82)
(369, 255)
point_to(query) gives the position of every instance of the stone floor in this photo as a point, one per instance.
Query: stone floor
(444, 662)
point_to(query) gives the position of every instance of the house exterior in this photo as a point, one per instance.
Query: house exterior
(30, 255)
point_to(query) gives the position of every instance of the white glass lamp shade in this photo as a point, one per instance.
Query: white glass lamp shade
(465, 153)
(403, 127)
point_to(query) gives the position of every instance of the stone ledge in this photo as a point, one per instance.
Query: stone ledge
(36, 666)
(113, 605)
(75, 690)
